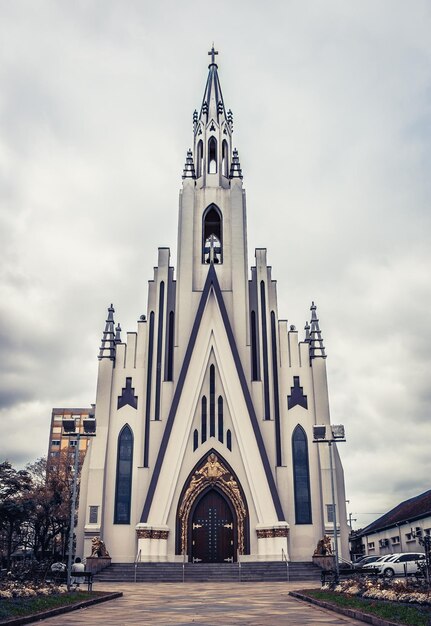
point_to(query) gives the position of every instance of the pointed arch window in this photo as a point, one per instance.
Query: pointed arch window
(200, 159)
(123, 484)
(301, 476)
(225, 159)
(212, 235)
(212, 155)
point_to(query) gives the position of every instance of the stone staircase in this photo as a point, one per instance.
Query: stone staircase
(262, 571)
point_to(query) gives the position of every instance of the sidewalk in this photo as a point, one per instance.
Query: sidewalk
(209, 604)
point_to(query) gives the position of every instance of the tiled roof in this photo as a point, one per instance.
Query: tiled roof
(409, 510)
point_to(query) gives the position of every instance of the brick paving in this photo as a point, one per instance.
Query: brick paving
(209, 604)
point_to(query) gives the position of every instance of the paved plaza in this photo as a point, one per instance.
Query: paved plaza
(209, 604)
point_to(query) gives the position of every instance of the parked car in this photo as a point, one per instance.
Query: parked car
(364, 560)
(398, 564)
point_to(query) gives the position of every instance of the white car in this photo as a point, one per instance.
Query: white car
(398, 564)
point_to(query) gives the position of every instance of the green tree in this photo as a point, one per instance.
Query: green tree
(15, 507)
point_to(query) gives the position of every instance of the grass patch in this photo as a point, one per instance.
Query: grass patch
(392, 611)
(22, 607)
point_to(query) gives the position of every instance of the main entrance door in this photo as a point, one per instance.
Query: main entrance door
(213, 530)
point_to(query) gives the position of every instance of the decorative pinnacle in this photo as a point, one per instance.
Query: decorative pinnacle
(317, 349)
(107, 345)
(235, 168)
(117, 334)
(307, 332)
(189, 167)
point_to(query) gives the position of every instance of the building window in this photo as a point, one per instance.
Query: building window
(93, 515)
(229, 440)
(330, 513)
(225, 159)
(371, 545)
(204, 420)
(55, 442)
(170, 348)
(212, 155)
(195, 439)
(73, 442)
(200, 159)
(212, 401)
(254, 348)
(395, 540)
(220, 419)
(301, 476)
(212, 236)
(123, 487)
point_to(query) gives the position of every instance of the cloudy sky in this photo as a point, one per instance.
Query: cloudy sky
(332, 112)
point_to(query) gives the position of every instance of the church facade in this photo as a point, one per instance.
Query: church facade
(204, 446)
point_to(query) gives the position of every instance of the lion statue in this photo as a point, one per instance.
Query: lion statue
(98, 547)
(324, 547)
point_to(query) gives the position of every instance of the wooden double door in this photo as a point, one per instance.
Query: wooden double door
(213, 529)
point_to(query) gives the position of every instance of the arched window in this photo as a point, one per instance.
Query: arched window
(200, 159)
(254, 348)
(212, 401)
(229, 439)
(301, 476)
(204, 420)
(212, 235)
(169, 364)
(220, 419)
(195, 439)
(212, 155)
(225, 159)
(123, 485)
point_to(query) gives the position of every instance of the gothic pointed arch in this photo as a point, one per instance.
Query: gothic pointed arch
(212, 473)
(301, 476)
(212, 235)
(123, 482)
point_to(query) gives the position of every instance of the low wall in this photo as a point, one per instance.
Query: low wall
(95, 564)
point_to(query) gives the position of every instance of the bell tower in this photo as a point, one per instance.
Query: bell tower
(212, 213)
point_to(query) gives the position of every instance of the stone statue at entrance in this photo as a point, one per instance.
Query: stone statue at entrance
(98, 548)
(324, 547)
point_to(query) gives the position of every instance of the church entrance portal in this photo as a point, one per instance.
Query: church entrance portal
(212, 513)
(213, 530)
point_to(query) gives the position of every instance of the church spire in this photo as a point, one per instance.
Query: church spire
(317, 349)
(212, 128)
(107, 345)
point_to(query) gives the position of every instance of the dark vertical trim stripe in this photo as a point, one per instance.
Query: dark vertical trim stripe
(267, 415)
(276, 396)
(159, 352)
(149, 377)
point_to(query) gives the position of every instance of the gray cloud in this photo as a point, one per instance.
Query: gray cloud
(332, 121)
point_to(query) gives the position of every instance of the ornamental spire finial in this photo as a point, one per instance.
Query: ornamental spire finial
(212, 53)
(107, 345)
(317, 349)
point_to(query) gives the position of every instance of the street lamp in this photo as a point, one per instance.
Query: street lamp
(69, 430)
(331, 434)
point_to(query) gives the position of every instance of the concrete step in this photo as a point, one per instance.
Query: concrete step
(270, 571)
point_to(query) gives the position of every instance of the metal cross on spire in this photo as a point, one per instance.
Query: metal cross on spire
(212, 52)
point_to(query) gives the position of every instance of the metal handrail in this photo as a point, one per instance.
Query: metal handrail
(238, 558)
(137, 560)
(284, 558)
(184, 565)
